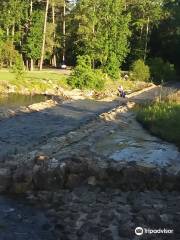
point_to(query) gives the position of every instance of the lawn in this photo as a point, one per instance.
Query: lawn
(33, 82)
(47, 80)
(162, 118)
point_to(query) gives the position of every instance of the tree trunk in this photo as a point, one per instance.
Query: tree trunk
(27, 64)
(44, 36)
(54, 63)
(13, 32)
(146, 39)
(64, 32)
(31, 7)
(32, 65)
(7, 31)
(31, 11)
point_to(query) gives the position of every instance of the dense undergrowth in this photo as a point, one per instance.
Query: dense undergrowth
(162, 118)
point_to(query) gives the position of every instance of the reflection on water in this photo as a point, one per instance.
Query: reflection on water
(16, 100)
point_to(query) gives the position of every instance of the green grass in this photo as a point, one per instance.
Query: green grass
(129, 86)
(162, 119)
(42, 81)
(33, 82)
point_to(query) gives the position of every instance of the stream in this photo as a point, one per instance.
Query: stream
(22, 133)
(15, 100)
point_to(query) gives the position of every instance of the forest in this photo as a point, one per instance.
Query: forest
(102, 35)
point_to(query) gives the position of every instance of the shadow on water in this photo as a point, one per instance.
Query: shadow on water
(15, 100)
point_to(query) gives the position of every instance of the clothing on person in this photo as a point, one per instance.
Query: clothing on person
(121, 91)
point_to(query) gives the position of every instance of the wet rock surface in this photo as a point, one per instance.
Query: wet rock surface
(87, 212)
(25, 131)
(18, 221)
(81, 174)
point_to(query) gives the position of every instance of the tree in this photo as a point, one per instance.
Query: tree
(32, 48)
(101, 29)
(44, 35)
(145, 15)
(165, 40)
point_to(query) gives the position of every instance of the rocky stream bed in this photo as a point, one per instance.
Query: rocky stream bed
(87, 171)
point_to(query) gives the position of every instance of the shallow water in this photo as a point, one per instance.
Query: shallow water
(15, 100)
(18, 221)
(133, 143)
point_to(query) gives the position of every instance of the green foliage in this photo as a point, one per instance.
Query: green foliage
(33, 45)
(101, 28)
(162, 119)
(112, 67)
(11, 58)
(161, 71)
(114, 33)
(145, 16)
(140, 71)
(50, 43)
(84, 77)
(18, 67)
(1, 46)
(8, 53)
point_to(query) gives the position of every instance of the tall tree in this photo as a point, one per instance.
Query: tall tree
(33, 45)
(145, 14)
(44, 35)
(102, 30)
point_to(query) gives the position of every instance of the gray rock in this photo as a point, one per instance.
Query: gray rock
(5, 179)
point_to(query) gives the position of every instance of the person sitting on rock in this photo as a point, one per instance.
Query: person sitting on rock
(121, 91)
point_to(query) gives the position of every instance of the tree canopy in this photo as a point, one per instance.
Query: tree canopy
(113, 33)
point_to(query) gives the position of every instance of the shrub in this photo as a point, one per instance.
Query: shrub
(18, 67)
(112, 67)
(140, 71)
(161, 71)
(84, 76)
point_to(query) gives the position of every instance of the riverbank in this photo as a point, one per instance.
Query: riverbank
(162, 118)
(54, 82)
(105, 150)
(36, 82)
(100, 178)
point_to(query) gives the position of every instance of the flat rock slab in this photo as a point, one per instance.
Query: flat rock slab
(23, 132)
(131, 143)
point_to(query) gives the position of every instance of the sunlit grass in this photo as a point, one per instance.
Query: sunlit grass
(33, 82)
(163, 118)
(42, 81)
(129, 86)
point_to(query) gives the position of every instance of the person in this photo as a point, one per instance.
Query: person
(121, 91)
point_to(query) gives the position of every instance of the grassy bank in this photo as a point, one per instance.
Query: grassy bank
(33, 82)
(162, 118)
(50, 80)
